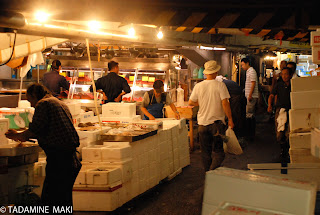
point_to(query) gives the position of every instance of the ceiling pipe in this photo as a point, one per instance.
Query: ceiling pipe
(10, 19)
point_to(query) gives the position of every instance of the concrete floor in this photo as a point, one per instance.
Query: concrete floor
(183, 194)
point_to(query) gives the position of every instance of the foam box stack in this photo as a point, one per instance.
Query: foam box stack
(303, 116)
(257, 190)
(74, 107)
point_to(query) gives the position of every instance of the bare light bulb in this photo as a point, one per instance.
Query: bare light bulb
(41, 16)
(160, 35)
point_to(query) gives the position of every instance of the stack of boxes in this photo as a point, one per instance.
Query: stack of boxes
(75, 110)
(303, 116)
(143, 165)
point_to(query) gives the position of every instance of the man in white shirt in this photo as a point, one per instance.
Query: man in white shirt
(252, 95)
(212, 98)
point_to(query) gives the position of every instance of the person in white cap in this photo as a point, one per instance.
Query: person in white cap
(212, 98)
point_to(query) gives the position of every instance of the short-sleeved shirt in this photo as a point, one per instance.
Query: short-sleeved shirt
(112, 85)
(209, 94)
(53, 81)
(233, 87)
(53, 126)
(283, 93)
(146, 99)
(251, 75)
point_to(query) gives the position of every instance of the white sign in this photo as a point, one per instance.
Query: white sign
(316, 54)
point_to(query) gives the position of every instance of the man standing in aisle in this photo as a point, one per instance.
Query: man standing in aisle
(53, 81)
(212, 98)
(282, 90)
(52, 126)
(113, 86)
(252, 95)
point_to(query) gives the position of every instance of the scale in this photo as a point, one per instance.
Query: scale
(18, 118)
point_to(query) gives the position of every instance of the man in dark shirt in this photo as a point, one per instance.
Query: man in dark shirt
(52, 125)
(113, 86)
(238, 107)
(53, 81)
(282, 90)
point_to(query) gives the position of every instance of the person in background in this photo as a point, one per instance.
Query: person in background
(238, 106)
(154, 102)
(282, 90)
(53, 81)
(293, 67)
(252, 95)
(277, 76)
(112, 85)
(212, 98)
(52, 126)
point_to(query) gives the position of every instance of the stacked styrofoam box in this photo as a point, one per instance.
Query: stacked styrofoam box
(257, 190)
(115, 109)
(315, 142)
(304, 115)
(75, 110)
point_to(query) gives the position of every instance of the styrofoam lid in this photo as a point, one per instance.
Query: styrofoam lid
(24, 104)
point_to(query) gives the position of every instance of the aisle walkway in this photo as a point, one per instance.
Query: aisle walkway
(183, 194)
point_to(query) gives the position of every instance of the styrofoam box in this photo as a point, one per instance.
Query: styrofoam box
(184, 161)
(81, 178)
(4, 126)
(115, 109)
(119, 119)
(296, 171)
(103, 175)
(116, 152)
(315, 142)
(84, 200)
(302, 156)
(305, 99)
(300, 140)
(126, 167)
(258, 190)
(74, 107)
(305, 84)
(92, 153)
(92, 136)
(304, 118)
(86, 116)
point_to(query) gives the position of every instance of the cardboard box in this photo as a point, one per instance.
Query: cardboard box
(258, 190)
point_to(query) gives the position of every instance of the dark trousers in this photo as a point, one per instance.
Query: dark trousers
(212, 144)
(61, 172)
(238, 110)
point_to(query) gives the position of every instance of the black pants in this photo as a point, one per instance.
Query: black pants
(212, 144)
(61, 172)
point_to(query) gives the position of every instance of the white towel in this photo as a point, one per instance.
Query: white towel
(282, 119)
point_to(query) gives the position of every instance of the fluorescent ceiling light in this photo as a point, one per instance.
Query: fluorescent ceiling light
(160, 35)
(41, 16)
(212, 48)
(94, 25)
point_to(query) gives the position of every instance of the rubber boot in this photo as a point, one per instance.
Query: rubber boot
(217, 159)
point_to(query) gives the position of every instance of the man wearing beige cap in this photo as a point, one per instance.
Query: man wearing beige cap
(212, 98)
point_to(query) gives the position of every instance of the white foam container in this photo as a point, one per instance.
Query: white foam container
(258, 190)
(315, 142)
(304, 118)
(115, 109)
(116, 152)
(103, 176)
(305, 99)
(305, 84)
(300, 140)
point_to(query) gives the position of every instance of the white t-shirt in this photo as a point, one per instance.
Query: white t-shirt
(209, 94)
(251, 75)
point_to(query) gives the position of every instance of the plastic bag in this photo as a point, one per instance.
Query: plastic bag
(232, 146)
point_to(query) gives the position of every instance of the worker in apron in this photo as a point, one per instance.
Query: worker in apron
(154, 102)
